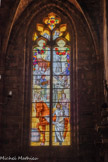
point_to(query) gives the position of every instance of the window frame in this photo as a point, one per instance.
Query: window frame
(28, 85)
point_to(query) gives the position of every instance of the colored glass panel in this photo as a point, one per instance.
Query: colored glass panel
(61, 43)
(57, 93)
(61, 117)
(35, 36)
(41, 59)
(46, 34)
(41, 133)
(61, 81)
(37, 83)
(61, 122)
(51, 21)
(40, 27)
(57, 34)
(67, 36)
(63, 27)
(40, 95)
(44, 93)
(61, 95)
(61, 60)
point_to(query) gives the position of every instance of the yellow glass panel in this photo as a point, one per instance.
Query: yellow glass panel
(52, 17)
(46, 20)
(52, 14)
(67, 36)
(40, 27)
(63, 28)
(60, 34)
(45, 31)
(35, 36)
(37, 137)
(51, 27)
(46, 34)
(51, 20)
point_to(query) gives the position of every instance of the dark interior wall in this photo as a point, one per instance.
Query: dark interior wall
(93, 9)
(6, 9)
(88, 81)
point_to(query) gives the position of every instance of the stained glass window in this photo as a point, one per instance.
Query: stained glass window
(50, 112)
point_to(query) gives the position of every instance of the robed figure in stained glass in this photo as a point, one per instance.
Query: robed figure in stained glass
(59, 124)
(42, 113)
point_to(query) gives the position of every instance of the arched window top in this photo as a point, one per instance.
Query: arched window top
(49, 24)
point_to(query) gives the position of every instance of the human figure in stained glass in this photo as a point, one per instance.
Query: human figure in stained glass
(59, 124)
(42, 112)
(65, 106)
(61, 58)
(44, 84)
(43, 81)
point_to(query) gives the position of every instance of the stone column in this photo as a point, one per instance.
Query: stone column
(105, 43)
